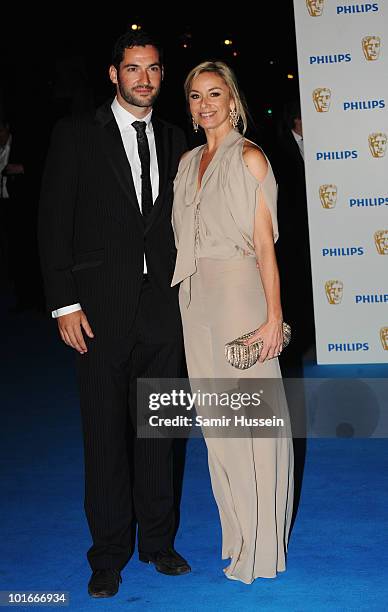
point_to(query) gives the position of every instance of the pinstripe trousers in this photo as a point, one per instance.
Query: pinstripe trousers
(127, 480)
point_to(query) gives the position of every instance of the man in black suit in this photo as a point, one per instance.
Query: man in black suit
(108, 255)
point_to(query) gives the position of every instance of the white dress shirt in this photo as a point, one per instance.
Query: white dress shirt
(124, 121)
(299, 142)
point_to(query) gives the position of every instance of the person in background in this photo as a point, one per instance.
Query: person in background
(293, 248)
(293, 253)
(18, 209)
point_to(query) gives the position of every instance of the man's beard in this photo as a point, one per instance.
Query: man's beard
(137, 100)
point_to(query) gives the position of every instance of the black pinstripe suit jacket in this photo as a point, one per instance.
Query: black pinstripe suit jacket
(92, 234)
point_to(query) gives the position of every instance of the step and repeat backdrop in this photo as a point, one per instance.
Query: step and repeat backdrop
(343, 75)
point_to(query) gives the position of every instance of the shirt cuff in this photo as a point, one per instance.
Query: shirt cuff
(65, 310)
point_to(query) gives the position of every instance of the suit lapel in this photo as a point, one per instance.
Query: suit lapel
(163, 136)
(114, 149)
(163, 151)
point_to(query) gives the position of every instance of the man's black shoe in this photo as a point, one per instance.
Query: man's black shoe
(104, 583)
(167, 561)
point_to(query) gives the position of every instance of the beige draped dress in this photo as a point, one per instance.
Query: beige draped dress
(222, 297)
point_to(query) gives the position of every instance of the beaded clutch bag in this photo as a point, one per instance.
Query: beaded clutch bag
(243, 356)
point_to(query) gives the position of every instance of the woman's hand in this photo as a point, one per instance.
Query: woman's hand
(271, 333)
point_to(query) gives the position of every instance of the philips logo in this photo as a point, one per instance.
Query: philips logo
(371, 298)
(342, 251)
(364, 105)
(347, 347)
(368, 202)
(330, 59)
(357, 8)
(331, 155)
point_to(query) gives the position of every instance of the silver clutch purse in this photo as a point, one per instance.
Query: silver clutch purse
(244, 356)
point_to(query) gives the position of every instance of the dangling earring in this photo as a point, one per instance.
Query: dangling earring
(234, 117)
(195, 125)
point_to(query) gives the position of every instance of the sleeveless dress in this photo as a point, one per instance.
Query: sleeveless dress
(221, 297)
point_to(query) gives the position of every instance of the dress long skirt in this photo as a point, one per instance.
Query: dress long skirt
(251, 476)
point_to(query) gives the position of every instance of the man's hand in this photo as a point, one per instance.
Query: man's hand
(70, 329)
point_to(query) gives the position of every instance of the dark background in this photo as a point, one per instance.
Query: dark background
(55, 61)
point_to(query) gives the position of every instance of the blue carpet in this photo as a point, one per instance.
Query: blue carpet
(338, 554)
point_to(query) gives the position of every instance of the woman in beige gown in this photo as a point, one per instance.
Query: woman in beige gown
(225, 225)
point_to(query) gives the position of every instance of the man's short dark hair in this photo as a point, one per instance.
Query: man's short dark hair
(133, 39)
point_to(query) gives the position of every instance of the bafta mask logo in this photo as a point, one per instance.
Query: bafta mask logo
(322, 99)
(328, 195)
(384, 337)
(315, 7)
(334, 291)
(381, 242)
(378, 144)
(371, 46)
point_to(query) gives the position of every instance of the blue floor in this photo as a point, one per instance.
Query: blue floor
(338, 554)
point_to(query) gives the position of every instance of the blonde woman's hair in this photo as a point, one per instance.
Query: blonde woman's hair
(229, 77)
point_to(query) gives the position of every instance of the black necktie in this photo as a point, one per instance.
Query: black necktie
(145, 159)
